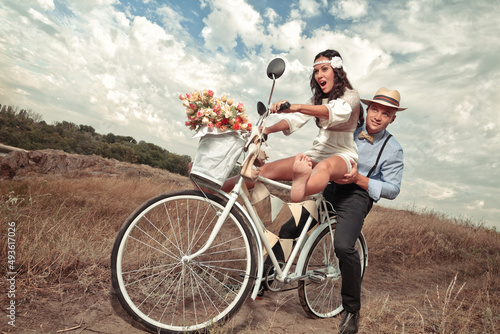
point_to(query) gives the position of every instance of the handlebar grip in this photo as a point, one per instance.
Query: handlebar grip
(286, 105)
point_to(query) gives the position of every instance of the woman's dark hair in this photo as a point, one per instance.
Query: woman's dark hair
(340, 84)
(361, 119)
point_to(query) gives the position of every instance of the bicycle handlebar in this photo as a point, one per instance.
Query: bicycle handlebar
(286, 105)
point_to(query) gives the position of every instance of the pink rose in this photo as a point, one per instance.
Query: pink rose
(188, 96)
(192, 106)
(210, 93)
(236, 126)
(200, 113)
(240, 107)
(211, 125)
(182, 97)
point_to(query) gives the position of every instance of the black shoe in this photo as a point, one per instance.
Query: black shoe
(349, 324)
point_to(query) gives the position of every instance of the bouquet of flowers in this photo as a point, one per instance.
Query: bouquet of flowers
(217, 114)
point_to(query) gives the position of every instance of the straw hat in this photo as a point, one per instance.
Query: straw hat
(386, 97)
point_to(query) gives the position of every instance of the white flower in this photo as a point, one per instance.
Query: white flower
(336, 62)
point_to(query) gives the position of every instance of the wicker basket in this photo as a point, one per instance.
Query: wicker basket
(216, 157)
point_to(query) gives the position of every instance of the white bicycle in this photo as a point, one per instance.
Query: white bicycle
(187, 260)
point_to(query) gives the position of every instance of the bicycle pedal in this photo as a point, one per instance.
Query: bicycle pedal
(316, 279)
(317, 276)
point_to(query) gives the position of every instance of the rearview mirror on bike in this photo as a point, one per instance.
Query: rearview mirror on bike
(275, 68)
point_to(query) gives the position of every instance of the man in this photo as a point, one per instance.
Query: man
(377, 175)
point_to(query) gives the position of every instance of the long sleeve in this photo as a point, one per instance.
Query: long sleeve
(385, 180)
(388, 183)
(340, 114)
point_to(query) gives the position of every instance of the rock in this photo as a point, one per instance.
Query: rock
(20, 164)
(12, 161)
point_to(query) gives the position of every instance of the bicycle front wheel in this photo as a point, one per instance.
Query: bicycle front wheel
(320, 296)
(169, 295)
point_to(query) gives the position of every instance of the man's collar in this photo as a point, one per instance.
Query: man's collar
(377, 136)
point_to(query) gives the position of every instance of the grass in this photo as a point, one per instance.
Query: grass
(427, 273)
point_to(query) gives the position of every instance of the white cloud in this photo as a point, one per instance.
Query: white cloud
(287, 36)
(349, 9)
(436, 191)
(229, 20)
(39, 16)
(46, 4)
(309, 8)
(88, 6)
(478, 204)
(122, 20)
(271, 15)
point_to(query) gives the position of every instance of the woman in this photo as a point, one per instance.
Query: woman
(335, 106)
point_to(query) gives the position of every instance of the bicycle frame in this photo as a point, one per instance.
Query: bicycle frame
(257, 228)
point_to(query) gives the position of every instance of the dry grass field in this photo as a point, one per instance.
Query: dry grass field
(427, 273)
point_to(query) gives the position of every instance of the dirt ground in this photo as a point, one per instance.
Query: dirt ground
(100, 312)
(392, 296)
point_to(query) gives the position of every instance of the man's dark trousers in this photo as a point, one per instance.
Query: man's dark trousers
(352, 204)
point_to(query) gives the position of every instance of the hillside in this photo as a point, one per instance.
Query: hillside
(426, 273)
(26, 130)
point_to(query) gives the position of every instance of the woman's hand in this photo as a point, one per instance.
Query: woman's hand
(275, 107)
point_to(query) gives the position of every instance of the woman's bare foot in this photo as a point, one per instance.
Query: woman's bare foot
(302, 167)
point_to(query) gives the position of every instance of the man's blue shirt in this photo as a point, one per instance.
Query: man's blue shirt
(385, 180)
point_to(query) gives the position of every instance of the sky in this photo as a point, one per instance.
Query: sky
(120, 66)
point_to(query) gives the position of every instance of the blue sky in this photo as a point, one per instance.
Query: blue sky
(120, 66)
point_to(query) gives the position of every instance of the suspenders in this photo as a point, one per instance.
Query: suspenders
(378, 157)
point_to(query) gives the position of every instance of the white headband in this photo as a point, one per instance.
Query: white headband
(335, 62)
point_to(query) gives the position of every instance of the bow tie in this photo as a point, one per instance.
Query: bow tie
(364, 135)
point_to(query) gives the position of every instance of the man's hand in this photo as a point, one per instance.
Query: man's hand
(351, 177)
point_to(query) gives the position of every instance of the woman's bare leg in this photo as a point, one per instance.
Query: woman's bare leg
(302, 168)
(327, 170)
(279, 170)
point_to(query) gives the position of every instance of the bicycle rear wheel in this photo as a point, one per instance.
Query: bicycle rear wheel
(169, 295)
(321, 297)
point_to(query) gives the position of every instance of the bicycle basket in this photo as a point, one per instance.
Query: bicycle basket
(216, 157)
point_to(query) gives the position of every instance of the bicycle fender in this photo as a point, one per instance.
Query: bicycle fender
(255, 233)
(365, 247)
(308, 244)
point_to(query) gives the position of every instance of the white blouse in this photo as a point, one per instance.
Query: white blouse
(335, 136)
